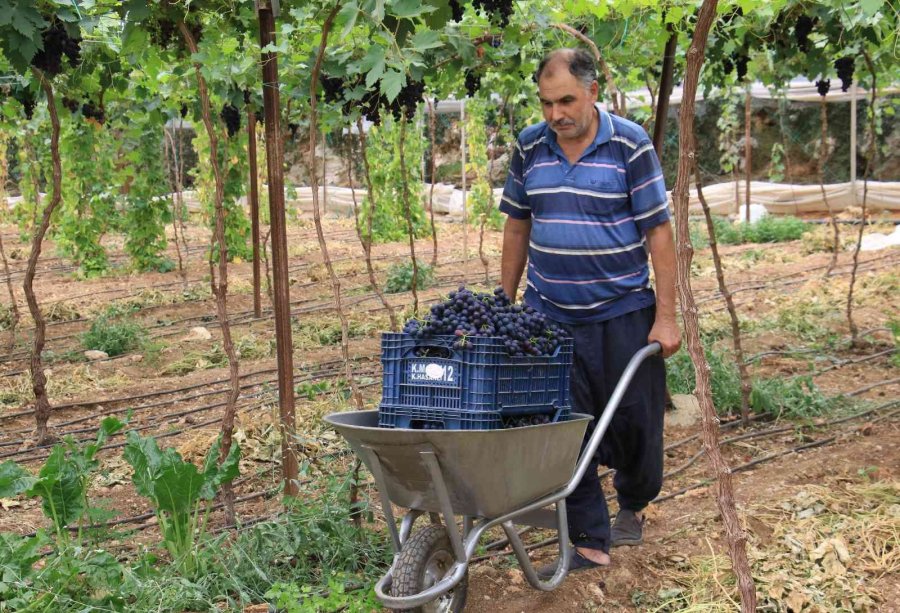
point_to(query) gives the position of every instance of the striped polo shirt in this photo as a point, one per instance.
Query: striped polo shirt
(587, 255)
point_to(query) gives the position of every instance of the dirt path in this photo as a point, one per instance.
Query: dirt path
(682, 532)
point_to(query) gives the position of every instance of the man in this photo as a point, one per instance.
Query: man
(585, 200)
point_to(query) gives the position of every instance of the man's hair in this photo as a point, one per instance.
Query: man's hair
(581, 65)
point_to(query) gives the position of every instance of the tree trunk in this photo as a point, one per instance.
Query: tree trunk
(254, 208)
(219, 286)
(746, 386)
(823, 155)
(335, 282)
(366, 242)
(724, 494)
(42, 407)
(872, 150)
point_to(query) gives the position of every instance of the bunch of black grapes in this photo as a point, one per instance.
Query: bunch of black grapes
(26, 98)
(844, 68)
(92, 111)
(740, 63)
(407, 101)
(232, 118)
(332, 87)
(472, 83)
(465, 314)
(456, 10)
(499, 10)
(56, 43)
(802, 29)
(823, 86)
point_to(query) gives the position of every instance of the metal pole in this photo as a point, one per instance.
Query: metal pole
(462, 122)
(853, 143)
(748, 149)
(254, 207)
(275, 167)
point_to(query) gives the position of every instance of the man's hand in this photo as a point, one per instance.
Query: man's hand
(666, 332)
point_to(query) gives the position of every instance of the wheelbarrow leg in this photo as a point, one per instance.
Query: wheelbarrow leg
(440, 488)
(377, 473)
(562, 567)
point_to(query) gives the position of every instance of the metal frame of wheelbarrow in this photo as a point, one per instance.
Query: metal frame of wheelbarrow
(533, 514)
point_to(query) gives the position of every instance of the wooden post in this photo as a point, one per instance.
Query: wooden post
(462, 147)
(853, 142)
(254, 208)
(275, 166)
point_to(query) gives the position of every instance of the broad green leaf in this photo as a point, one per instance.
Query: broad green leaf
(14, 479)
(425, 39)
(409, 8)
(349, 14)
(26, 20)
(61, 489)
(177, 488)
(871, 7)
(214, 474)
(391, 84)
(145, 458)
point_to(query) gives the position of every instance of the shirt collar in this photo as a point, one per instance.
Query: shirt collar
(604, 133)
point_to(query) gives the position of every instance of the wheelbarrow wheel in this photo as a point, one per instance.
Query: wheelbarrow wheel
(424, 560)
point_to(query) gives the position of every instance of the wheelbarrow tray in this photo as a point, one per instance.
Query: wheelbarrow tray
(487, 473)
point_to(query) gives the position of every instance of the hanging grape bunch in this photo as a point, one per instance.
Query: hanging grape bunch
(71, 104)
(823, 86)
(802, 29)
(332, 87)
(232, 118)
(844, 68)
(499, 10)
(56, 42)
(24, 96)
(465, 314)
(472, 83)
(91, 111)
(407, 101)
(740, 63)
(456, 10)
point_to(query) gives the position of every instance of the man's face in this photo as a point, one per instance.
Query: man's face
(568, 106)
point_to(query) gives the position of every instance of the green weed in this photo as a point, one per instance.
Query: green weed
(113, 336)
(400, 276)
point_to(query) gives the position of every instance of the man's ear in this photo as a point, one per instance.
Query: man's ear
(595, 89)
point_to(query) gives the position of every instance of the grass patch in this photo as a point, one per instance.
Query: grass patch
(214, 357)
(792, 397)
(769, 229)
(309, 333)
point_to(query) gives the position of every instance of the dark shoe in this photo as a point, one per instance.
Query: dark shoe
(577, 562)
(627, 529)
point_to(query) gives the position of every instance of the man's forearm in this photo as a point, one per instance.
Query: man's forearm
(662, 255)
(515, 254)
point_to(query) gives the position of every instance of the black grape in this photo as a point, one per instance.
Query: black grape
(740, 63)
(71, 104)
(823, 86)
(56, 42)
(91, 111)
(498, 10)
(26, 99)
(184, 111)
(472, 83)
(802, 29)
(522, 330)
(727, 66)
(407, 101)
(232, 118)
(456, 10)
(844, 67)
(332, 87)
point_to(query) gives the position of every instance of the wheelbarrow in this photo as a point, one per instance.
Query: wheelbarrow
(491, 478)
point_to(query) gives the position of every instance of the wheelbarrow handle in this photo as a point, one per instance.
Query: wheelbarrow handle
(606, 417)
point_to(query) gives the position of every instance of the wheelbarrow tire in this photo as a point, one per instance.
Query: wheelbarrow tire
(424, 560)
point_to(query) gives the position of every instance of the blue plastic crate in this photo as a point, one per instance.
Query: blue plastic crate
(481, 382)
(450, 419)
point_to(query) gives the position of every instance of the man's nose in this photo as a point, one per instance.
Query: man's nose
(555, 115)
